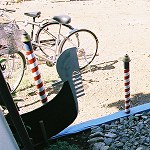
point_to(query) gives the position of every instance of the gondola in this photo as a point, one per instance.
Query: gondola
(58, 113)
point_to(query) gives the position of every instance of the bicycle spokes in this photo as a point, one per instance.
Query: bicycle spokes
(86, 44)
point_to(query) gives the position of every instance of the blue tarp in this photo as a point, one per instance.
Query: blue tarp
(95, 122)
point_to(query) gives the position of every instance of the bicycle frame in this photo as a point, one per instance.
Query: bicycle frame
(35, 44)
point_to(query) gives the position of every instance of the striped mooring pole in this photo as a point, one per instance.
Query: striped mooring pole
(126, 61)
(34, 67)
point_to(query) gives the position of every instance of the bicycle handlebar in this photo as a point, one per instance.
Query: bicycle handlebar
(8, 10)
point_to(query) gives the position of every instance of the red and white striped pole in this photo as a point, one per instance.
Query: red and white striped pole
(34, 67)
(126, 61)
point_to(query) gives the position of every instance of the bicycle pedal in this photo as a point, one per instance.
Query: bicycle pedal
(50, 64)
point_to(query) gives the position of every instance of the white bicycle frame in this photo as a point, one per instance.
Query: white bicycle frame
(57, 48)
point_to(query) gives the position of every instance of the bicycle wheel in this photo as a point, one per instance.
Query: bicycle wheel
(13, 67)
(86, 43)
(47, 36)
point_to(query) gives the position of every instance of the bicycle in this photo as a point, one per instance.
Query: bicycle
(55, 35)
(12, 61)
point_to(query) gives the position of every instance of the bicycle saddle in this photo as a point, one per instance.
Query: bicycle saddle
(64, 19)
(33, 14)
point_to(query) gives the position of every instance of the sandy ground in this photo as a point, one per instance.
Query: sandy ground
(122, 27)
